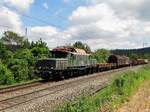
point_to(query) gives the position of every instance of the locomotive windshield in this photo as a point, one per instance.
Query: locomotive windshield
(59, 54)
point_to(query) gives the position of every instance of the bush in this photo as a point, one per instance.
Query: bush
(19, 68)
(28, 59)
(101, 55)
(40, 49)
(6, 77)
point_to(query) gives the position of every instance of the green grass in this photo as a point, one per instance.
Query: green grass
(119, 91)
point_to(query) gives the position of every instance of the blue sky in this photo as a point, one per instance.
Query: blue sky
(110, 24)
(56, 13)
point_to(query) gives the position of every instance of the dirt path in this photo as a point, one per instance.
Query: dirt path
(140, 101)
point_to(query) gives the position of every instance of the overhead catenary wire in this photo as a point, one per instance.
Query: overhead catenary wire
(30, 17)
(27, 34)
(35, 19)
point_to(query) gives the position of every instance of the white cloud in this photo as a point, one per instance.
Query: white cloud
(125, 8)
(20, 5)
(45, 5)
(100, 25)
(10, 20)
(44, 32)
(51, 35)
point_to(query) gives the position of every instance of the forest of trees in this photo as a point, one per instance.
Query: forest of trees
(134, 53)
(18, 57)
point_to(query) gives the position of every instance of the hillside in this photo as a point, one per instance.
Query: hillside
(133, 53)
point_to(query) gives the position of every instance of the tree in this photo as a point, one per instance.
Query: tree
(81, 45)
(26, 44)
(12, 38)
(101, 55)
(40, 49)
(19, 68)
(6, 76)
(133, 56)
(5, 54)
(87, 49)
(2, 50)
(27, 56)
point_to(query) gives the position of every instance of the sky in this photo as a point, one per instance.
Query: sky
(110, 24)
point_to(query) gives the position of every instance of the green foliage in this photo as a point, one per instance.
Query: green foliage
(2, 50)
(5, 54)
(40, 49)
(133, 56)
(134, 53)
(6, 77)
(26, 44)
(21, 61)
(19, 68)
(10, 37)
(27, 56)
(81, 45)
(112, 96)
(101, 55)
(139, 55)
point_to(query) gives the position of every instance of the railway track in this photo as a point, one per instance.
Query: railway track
(24, 98)
(22, 86)
(14, 101)
(19, 87)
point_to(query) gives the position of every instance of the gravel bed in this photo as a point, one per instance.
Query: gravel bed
(48, 103)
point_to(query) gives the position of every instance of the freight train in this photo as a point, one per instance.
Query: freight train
(67, 62)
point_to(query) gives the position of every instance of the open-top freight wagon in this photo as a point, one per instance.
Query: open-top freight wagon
(139, 61)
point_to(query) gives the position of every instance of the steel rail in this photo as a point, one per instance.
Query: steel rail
(19, 87)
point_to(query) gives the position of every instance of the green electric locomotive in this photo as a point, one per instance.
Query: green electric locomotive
(66, 62)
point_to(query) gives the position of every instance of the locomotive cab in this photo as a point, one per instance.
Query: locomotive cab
(47, 67)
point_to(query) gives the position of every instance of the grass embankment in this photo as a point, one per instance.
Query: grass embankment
(112, 96)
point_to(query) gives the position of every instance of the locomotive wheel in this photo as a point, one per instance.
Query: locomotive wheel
(65, 74)
(57, 76)
(46, 76)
